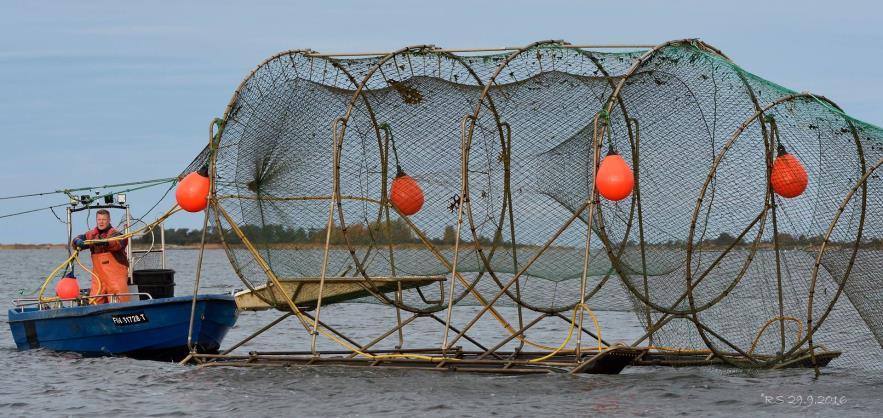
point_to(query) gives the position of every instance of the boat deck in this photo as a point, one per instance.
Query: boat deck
(671, 359)
(608, 361)
(304, 291)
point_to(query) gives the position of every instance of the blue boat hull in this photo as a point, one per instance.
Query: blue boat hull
(149, 329)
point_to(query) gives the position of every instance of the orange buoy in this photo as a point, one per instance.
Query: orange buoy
(788, 177)
(192, 192)
(405, 194)
(68, 288)
(615, 179)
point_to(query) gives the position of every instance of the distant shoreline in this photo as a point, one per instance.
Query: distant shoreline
(63, 246)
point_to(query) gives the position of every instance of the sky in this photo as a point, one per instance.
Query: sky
(100, 92)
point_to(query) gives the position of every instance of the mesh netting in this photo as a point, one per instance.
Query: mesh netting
(703, 252)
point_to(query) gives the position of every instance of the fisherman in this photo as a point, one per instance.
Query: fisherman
(110, 266)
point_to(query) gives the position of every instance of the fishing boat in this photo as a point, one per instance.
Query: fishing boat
(148, 322)
(153, 329)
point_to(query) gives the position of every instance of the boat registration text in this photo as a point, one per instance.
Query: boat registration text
(129, 319)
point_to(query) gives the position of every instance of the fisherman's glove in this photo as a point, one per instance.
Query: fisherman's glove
(79, 243)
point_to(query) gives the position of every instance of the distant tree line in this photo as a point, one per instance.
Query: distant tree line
(784, 239)
(397, 232)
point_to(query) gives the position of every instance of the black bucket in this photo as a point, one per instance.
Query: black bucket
(159, 283)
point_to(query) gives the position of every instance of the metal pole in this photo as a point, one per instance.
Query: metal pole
(335, 157)
(465, 336)
(256, 333)
(70, 237)
(585, 331)
(196, 284)
(512, 336)
(585, 274)
(460, 50)
(383, 336)
(211, 144)
(335, 332)
(162, 244)
(131, 277)
(488, 305)
(463, 174)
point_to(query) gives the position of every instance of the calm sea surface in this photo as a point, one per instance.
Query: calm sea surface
(45, 383)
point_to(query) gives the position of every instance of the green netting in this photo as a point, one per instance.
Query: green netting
(702, 241)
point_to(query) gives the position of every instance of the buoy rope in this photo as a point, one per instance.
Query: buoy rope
(388, 130)
(774, 133)
(605, 117)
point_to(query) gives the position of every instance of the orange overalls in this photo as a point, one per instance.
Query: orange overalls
(110, 267)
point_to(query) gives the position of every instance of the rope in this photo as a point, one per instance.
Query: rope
(22, 291)
(605, 117)
(388, 130)
(75, 255)
(52, 275)
(570, 333)
(138, 231)
(91, 199)
(30, 195)
(774, 132)
(78, 189)
(99, 196)
(8, 215)
(94, 276)
(770, 322)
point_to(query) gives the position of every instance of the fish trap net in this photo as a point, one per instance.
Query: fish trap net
(505, 149)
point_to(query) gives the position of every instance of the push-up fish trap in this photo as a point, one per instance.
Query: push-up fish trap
(728, 214)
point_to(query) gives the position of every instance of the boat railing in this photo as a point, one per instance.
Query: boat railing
(82, 300)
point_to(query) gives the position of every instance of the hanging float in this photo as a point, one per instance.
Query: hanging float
(615, 179)
(193, 190)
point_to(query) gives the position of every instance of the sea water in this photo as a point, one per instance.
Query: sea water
(40, 382)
